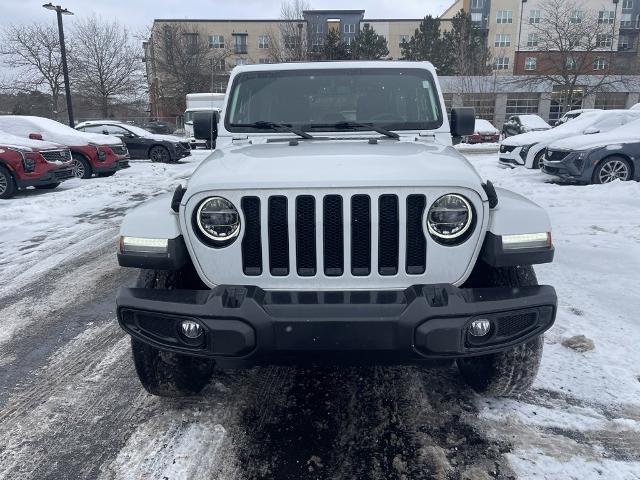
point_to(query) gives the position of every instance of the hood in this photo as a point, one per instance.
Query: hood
(341, 163)
(598, 140)
(8, 140)
(546, 136)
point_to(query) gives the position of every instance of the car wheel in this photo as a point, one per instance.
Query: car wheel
(81, 166)
(163, 373)
(612, 168)
(513, 371)
(159, 154)
(48, 186)
(538, 161)
(7, 184)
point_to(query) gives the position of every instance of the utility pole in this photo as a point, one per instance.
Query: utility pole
(63, 53)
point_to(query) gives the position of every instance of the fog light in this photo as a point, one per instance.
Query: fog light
(480, 328)
(191, 329)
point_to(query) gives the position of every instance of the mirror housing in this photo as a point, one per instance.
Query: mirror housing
(463, 122)
(205, 125)
(35, 136)
(591, 131)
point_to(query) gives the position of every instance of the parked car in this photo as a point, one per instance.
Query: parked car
(323, 239)
(140, 142)
(598, 158)
(162, 128)
(528, 149)
(574, 114)
(484, 133)
(92, 153)
(31, 163)
(518, 124)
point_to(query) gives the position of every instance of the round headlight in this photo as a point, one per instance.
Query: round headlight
(450, 218)
(218, 221)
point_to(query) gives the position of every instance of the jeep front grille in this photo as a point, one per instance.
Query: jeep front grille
(367, 216)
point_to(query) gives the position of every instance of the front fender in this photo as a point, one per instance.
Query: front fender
(152, 219)
(516, 214)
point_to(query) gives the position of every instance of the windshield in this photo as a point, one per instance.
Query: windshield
(188, 116)
(141, 132)
(395, 99)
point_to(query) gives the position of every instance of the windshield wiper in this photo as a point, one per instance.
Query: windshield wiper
(262, 125)
(350, 125)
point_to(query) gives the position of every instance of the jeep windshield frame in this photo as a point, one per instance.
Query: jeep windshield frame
(394, 99)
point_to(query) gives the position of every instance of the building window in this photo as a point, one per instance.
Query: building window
(241, 61)
(349, 28)
(502, 63)
(606, 16)
(220, 87)
(604, 40)
(522, 104)
(347, 40)
(291, 41)
(504, 16)
(623, 42)
(216, 41)
(483, 103)
(192, 42)
(626, 20)
(576, 16)
(316, 41)
(405, 39)
(219, 65)
(600, 64)
(611, 101)
(627, 4)
(503, 40)
(534, 16)
(317, 28)
(571, 63)
(532, 40)
(263, 41)
(530, 63)
(264, 60)
(240, 43)
(476, 17)
(477, 3)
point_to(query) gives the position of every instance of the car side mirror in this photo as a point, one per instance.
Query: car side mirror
(205, 125)
(591, 131)
(463, 122)
(35, 136)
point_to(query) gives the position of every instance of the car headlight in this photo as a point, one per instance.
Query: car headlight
(217, 221)
(526, 148)
(450, 219)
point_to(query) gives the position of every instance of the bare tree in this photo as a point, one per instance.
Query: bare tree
(32, 53)
(106, 64)
(572, 43)
(185, 62)
(288, 43)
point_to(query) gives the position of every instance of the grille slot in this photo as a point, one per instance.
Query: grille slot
(416, 242)
(513, 324)
(251, 241)
(388, 237)
(278, 236)
(306, 235)
(556, 155)
(333, 236)
(360, 235)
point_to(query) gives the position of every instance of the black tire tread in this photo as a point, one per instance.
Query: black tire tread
(11, 184)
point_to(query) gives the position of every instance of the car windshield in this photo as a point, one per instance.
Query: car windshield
(141, 132)
(394, 99)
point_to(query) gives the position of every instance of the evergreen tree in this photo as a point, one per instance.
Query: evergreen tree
(466, 47)
(368, 45)
(427, 43)
(334, 48)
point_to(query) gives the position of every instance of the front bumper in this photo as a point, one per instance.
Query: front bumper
(56, 175)
(112, 167)
(569, 169)
(512, 158)
(245, 325)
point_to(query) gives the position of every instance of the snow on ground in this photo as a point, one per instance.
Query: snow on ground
(591, 398)
(41, 229)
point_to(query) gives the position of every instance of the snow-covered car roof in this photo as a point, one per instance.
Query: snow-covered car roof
(484, 127)
(9, 140)
(98, 122)
(572, 128)
(635, 107)
(533, 121)
(628, 133)
(581, 110)
(52, 131)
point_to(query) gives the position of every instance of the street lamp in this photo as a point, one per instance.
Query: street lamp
(63, 53)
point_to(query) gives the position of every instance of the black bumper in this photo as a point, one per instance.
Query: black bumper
(52, 176)
(245, 326)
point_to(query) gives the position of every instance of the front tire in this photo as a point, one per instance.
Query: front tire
(539, 158)
(159, 154)
(612, 168)
(81, 166)
(162, 373)
(513, 371)
(8, 186)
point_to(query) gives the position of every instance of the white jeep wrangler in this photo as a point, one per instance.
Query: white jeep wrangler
(336, 224)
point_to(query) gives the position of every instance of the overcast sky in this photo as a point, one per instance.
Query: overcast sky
(137, 14)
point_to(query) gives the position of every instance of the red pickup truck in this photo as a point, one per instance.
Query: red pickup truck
(32, 163)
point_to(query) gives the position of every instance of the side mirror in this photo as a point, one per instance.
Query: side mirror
(463, 121)
(35, 136)
(591, 131)
(205, 125)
